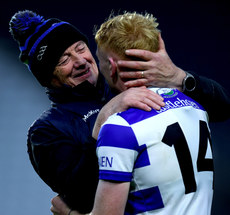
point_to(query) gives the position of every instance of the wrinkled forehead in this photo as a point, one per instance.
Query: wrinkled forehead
(74, 46)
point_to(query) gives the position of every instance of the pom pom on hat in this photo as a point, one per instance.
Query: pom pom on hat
(42, 42)
(23, 24)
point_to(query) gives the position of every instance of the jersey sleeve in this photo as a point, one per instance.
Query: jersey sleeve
(116, 150)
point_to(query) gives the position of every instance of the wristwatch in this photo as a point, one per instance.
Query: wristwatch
(188, 83)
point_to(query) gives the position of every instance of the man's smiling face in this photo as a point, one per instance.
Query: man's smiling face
(75, 66)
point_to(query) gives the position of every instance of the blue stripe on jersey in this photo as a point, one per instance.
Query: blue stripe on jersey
(115, 175)
(117, 136)
(134, 115)
(144, 200)
(123, 137)
(143, 157)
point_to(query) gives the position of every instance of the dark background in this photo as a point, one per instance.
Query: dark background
(196, 34)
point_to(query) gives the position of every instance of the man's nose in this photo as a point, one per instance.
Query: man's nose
(79, 61)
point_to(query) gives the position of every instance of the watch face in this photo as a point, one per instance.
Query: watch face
(190, 83)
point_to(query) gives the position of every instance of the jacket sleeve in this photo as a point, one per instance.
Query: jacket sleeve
(69, 168)
(213, 97)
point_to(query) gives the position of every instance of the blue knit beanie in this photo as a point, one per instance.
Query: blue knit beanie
(42, 42)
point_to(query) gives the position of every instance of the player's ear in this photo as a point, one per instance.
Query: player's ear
(113, 68)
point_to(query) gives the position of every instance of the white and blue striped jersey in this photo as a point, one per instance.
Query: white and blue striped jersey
(166, 156)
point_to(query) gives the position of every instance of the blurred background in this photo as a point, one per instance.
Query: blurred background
(196, 35)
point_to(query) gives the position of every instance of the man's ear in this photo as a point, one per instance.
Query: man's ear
(113, 69)
(55, 82)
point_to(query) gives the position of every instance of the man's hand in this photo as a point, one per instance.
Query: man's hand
(138, 97)
(60, 208)
(153, 69)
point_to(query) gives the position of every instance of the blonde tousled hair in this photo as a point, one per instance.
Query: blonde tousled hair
(128, 31)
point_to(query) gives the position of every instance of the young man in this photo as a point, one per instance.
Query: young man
(157, 162)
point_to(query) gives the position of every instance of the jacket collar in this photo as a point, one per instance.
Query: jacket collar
(81, 93)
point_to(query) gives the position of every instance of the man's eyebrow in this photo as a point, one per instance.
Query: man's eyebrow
(79, 43)
(64, 54)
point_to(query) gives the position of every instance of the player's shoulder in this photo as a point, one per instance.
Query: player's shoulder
(116, 132)
(116, 119)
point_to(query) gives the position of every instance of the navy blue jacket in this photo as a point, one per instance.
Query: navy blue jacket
(213, 97)
(60, 145)
(62, 150)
